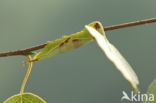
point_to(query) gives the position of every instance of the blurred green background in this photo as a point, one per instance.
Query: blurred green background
(84, 75)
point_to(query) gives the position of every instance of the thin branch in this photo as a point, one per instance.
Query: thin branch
(135, 23)
(28, 50)
(22, 52)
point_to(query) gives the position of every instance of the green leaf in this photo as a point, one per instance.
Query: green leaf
(25, 98)
(151, 91)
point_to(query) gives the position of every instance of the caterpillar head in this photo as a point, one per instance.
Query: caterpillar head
(98, 26)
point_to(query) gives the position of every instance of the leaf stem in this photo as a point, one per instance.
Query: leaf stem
(27, 75)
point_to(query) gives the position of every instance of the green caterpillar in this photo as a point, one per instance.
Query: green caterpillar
(67, 43)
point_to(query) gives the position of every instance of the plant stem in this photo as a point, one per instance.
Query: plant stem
(27, 75)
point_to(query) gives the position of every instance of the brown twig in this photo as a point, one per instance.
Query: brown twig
(28, 50)
(135, 23)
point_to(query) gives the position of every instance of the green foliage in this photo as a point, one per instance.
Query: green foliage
(151, 90)
(25, 98)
